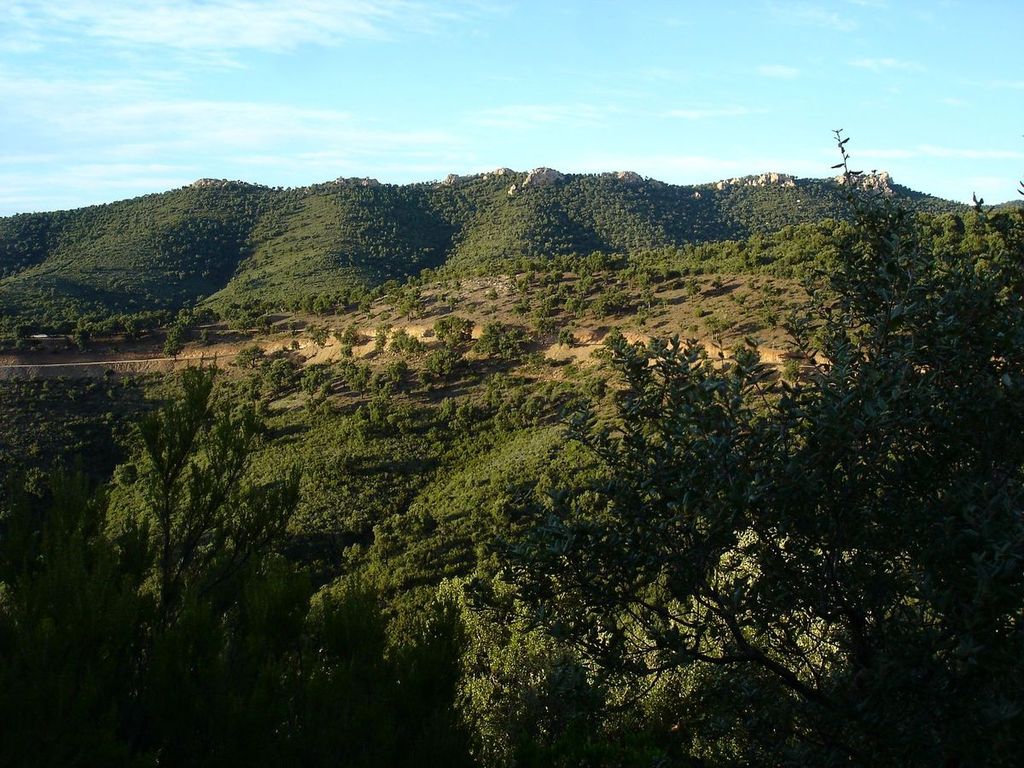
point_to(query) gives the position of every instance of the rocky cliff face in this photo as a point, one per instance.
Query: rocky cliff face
(354, 181)
(630, 177)
(876, 181)
(454, 179)
(764, 180)
(538, 177)
(210, 183)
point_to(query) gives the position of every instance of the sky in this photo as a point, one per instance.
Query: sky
(106, 99)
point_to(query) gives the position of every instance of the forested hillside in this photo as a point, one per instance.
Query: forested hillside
(514, 470)
(232, 246)
(447, 548)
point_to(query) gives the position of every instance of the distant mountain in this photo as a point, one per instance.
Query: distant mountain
(229, 242)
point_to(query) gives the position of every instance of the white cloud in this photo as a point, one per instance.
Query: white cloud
(814, 15)
(532, 116)
(1016, 85)
(706, 113)
(217, 26)
(887, 64)
(931, 150)
(74, 185)
(779, 71)
(133, 117)
(993, 188)
(996, 84)
(128, 132)
(884, 154)
(970, 154)
(26, 159)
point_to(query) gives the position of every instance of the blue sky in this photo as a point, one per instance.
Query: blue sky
(106, 99)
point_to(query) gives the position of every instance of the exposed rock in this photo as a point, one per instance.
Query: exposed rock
(499, 172)
(630, 177)
(542, 177)
(763, 180)
(210, 183)
(354, 181)
(876, 181)
(512, 190)
(451, 180)
(696, 195)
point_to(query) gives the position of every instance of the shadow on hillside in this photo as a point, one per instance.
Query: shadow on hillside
(722, 290)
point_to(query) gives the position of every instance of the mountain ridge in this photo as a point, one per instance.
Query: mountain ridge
(225, 243)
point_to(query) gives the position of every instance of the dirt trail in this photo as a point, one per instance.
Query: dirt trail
(32, 366)
(686, 308)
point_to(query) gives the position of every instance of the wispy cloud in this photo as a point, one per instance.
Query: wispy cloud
(707, 113)
(884, 154)
(970, 154)
(129, 113)
(222, 25)
(814, 16)
(993, 84)
(532, 116)
(887, 64)
(77, 184)
(664, 74)
(129, 133)
(995, 187)
(1015, 85)
(778, 70)
(931, 150)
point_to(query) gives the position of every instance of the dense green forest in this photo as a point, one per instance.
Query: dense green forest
(229, 246)
(451, 549)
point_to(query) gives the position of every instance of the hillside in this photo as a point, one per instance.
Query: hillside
(451, 456)
(234, 245)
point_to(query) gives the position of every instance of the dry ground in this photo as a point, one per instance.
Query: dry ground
(717, 310)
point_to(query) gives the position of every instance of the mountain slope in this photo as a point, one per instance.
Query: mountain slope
(332, 238)
(155, 252)
(237, 244)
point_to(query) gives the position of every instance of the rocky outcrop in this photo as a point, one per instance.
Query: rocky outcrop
(629, 177)
(353, 181)
(542, 177)
(538, 177)
(763, 180)
(453, 179)
(210, 183)
(876, 181)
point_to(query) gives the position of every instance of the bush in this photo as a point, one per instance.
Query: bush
(453, 330)
(506, 342)
(828, 569)
(403, 341)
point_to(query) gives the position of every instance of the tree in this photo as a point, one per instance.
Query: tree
(826, 571)
(160, 626)
(453, 331)
(498, 340)
(174, 342)
(207, 522)
(318, 333)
